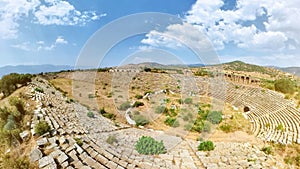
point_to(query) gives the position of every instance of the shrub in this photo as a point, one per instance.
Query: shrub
(106, 114)
(226, 128)
(111, 139)
(206, 146)
(140, 120)
(297, 160)
(11, 162)
(38, 89)
(138, 104)
(206, 126)
(267, 150)
(171, 121)
(280, 127)
(214, 117)
(161, 109)
(149, 146)
(198, 126)
(285, 86)
(124, 106)
(90, 114)
(78, 141)
(188, 101)
(138, 96)
(42, 127)
(188, 126)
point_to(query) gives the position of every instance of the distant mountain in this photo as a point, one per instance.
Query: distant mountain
(33, 69)
(292, 70)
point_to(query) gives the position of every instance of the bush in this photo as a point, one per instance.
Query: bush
(149, 146)
(206, 126)
(38, 89)
(215, 117)
(285, 86)
(138, 104)
(78, 141)
(138, 96)
(267, 150)
(140, 120)
(206, 146)
(226, 128)
(280, 127)
(107, 115)
(90, 114)
(161, 109)
(171, 121)
(188, 101)
(111, 139)
(188, 126)
(11, 162)
(124, 106)
(42, 127)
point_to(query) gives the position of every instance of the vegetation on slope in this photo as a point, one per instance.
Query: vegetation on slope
(245, 67)
(9, 83)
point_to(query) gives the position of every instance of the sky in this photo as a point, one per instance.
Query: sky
(70, 32)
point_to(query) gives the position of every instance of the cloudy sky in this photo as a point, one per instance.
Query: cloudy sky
(264, 32)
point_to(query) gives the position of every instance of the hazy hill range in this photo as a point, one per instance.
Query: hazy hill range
(292, 70)
(33, 69)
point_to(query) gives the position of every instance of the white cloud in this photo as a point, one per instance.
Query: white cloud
(63, 13)
(41, 45)
(60, 40)
(11, 12)
(23, 46)
(45, 12)
(223, 26)
(177, 36)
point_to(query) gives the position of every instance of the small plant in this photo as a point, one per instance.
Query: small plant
(171, 121)
(138, 96)
(215, 117)
(138, 104)
(140, 120)
(206, 146)
(161, 109)
(188, 101)
(280, 127)
(124, 106)
(90, 114)
(206, 126)
(78, 141)
(38, 89)
(267, 150)
(149, 146)
(111, 139)
(226, 127)
(104, 113)
(91, 96)
(42, 127)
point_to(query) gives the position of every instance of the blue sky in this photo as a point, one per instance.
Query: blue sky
(264, 32)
